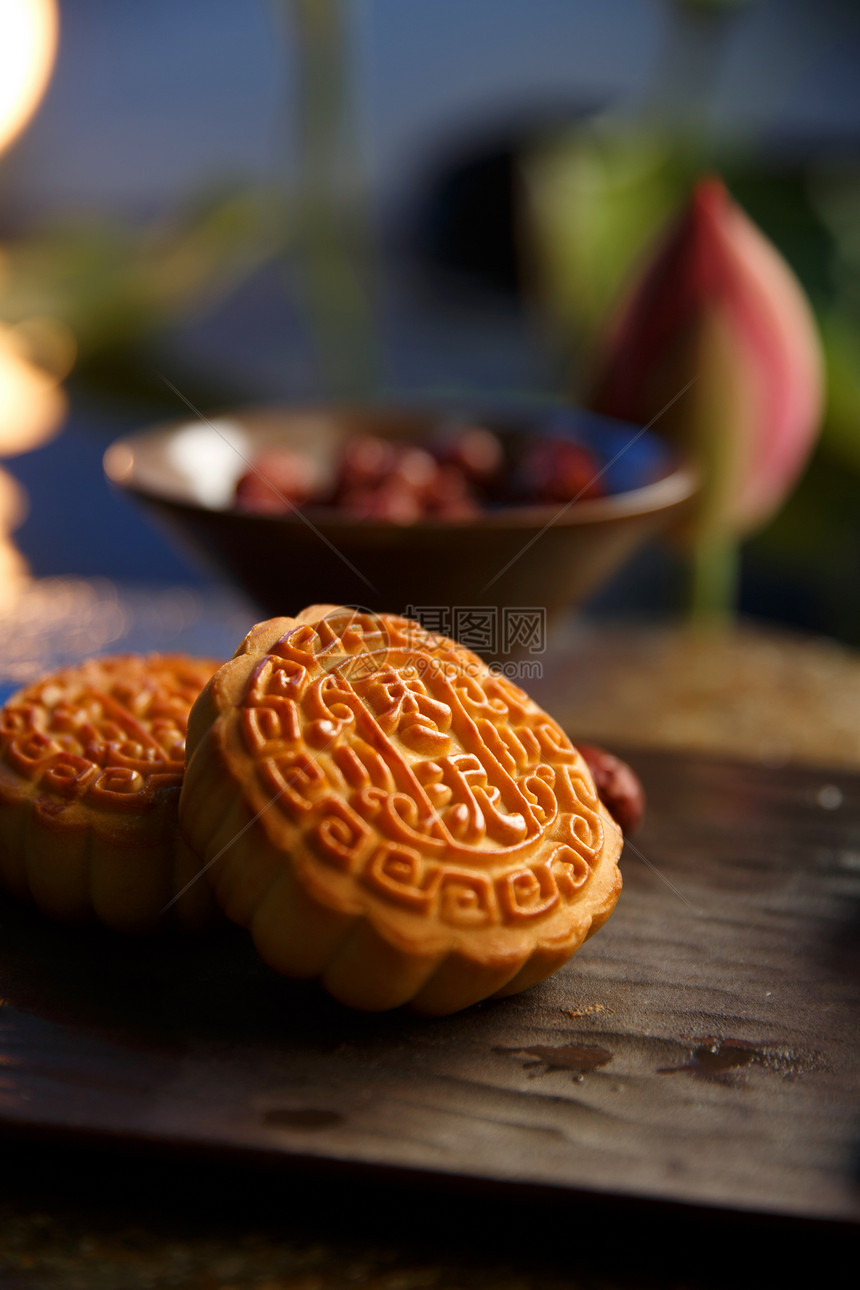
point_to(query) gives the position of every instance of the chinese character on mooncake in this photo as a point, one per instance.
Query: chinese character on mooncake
(386, 813)
(91, 766)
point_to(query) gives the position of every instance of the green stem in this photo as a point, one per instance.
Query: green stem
(332, 236)
(714, 577)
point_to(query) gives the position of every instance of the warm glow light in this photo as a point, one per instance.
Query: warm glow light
(13, 567)
(13, 505)
(32, 406)
(28, 44)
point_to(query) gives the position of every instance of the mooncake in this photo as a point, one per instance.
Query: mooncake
(91, 766)
(385, 812)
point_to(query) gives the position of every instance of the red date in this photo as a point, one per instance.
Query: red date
(617, 786)
(278, 480)
(556, 470)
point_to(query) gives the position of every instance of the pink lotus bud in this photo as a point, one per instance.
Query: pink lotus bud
(719, 306)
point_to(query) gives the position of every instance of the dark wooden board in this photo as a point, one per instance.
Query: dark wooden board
(702, 1048)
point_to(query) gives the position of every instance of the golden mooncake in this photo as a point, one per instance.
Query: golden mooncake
(91, 766)
(384, 812)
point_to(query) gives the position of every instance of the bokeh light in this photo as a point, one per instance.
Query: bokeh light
(29, 31)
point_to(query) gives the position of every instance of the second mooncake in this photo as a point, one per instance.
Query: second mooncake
(91, 766)
(386, 813)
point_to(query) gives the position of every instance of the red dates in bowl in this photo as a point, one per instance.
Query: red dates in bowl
(454, 475)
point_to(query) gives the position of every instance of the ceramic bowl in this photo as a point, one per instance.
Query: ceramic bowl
(551, 557)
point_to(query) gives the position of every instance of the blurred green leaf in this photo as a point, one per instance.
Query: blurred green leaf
(841, 334)
(114, 285)
(594, 201)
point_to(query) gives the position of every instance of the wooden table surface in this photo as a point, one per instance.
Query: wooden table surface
(174, 1114)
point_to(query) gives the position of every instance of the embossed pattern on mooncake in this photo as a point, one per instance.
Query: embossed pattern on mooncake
(441, 789)
(91, 766)
(403, 784)
(111, 732)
